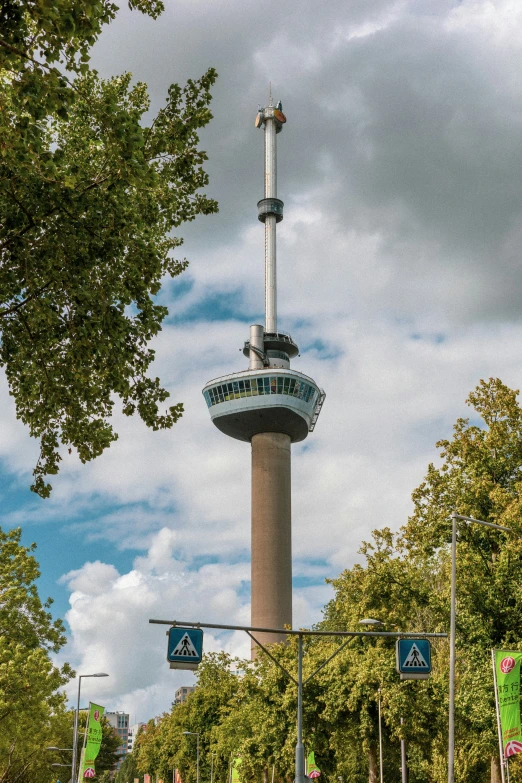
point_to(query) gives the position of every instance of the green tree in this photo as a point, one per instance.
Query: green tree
(480, 476)
(32, 710)
(162, 747)
(128, 771)
(403, 579)
(403, 592)
(89, 196)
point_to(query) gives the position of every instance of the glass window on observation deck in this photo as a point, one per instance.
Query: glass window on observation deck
(249, 387)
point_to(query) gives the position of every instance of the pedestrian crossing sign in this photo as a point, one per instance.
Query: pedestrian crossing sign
(185, 647)
(413, 658)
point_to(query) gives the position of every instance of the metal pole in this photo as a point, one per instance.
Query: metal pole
(404, 769)
(270, 225)
(499, 725)
(75, 734)
(451, 727)
(197, 759)
(380, 739)
(299, 749)
(211, 767)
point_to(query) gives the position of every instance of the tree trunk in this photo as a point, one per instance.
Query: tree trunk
(496, 776)
(265, 775)
(373, 766)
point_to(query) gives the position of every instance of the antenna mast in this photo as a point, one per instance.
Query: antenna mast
(270, 208)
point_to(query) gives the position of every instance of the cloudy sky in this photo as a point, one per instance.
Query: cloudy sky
(399, 278)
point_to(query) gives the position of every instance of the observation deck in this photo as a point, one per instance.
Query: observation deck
(243, 404)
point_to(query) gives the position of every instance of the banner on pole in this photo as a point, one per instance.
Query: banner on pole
(312, 770)
(236, 763)
(93, 743)
(507, 670)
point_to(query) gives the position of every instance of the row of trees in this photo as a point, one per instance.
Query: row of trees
(249, 709)
(33, 710)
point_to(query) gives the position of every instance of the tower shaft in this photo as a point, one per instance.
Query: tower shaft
(271, 534)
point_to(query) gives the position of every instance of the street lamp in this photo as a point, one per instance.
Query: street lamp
(195, 734)
(453, 616)
(76, 715)
(374, 623)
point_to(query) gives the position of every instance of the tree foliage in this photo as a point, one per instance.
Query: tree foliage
(90, 193)
(32, 710)
(128, 772)
(403, 580)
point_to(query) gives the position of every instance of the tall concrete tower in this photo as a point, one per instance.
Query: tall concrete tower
(270, 406)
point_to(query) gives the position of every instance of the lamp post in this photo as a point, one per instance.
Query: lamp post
(75, 732)
(404, 767)
(195, 734)
(453, 616)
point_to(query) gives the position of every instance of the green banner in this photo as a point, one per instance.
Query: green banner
(235, 769)
(312, 770)
(92, 745)
(507, 669)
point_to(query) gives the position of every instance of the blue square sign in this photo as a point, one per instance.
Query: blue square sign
(185, 648)
(413, 658)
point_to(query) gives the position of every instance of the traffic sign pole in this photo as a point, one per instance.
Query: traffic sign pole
(185, 626)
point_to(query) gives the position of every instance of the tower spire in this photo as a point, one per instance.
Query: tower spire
(270, 208)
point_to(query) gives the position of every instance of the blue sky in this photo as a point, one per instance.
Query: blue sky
(399, 278)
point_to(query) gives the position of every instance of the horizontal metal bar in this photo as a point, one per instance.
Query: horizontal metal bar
(481, 522)
(294, 632)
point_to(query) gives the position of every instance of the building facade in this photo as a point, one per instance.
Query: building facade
(120, 723)
(182, 694)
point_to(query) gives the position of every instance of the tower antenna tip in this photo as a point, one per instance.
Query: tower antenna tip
(270, 104)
